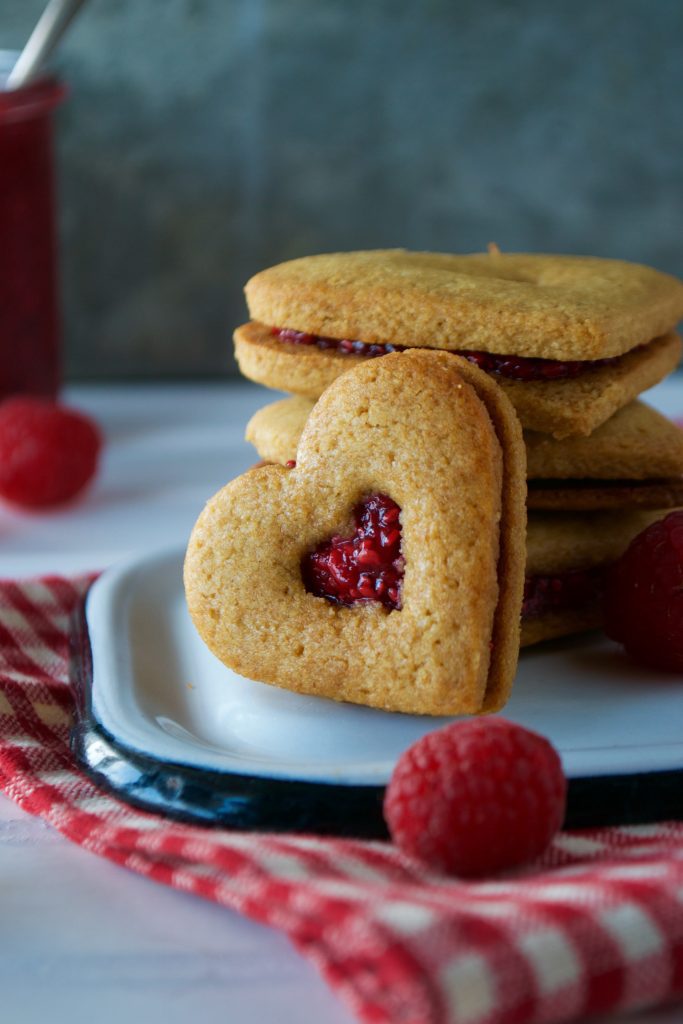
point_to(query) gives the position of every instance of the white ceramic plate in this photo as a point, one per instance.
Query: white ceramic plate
(158, 692)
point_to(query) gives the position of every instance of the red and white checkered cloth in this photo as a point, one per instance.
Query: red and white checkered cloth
(596, 926)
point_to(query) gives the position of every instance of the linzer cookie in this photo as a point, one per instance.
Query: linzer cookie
(570, 339)
(567, 557)
(634, 460)
(386, 568)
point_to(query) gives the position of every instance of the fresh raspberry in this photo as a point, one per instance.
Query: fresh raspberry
(644, 596)
(476, 797)
(47, 453)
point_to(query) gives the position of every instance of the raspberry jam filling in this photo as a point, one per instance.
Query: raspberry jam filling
(562, 592)
(368, 566)
(512, 367)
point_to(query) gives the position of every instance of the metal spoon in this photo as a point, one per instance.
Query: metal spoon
(51, 26)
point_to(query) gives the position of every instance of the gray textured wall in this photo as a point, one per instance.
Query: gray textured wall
(205, 139)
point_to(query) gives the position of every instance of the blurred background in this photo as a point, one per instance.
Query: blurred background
(205, 139)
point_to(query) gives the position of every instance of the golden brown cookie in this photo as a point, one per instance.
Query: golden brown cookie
(552, 307)
(554, 625)
(566, 408)
(563, 408)
(636, 443)
(453, 460)
(275, 429)
(629, 462)
(561, 544)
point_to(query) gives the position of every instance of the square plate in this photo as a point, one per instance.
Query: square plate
(167, 726)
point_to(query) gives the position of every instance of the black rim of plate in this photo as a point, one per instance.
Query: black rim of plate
(260, 803)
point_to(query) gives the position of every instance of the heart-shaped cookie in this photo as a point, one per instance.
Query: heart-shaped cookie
(452, 459)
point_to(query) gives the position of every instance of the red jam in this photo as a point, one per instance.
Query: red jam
(562, 592)
(512, 367)
(368, 566)
(29, 315)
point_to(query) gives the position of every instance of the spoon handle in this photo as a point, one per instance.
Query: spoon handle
(51, 25)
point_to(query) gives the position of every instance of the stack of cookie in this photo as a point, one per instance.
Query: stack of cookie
(571, 341)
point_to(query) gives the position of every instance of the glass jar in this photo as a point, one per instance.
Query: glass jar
(30, 343)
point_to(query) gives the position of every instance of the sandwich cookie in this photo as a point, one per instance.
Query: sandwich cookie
(634, 460)
(387, 567)
(570, 339)
(568, 555)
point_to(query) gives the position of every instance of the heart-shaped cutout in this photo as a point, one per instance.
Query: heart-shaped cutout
(368, 566)
(439, 439)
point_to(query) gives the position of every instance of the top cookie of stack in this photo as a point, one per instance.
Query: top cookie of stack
(570, 339)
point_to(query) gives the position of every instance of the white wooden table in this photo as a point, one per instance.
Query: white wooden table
(81, 939)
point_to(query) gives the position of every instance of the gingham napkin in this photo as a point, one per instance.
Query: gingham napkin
(596, 926)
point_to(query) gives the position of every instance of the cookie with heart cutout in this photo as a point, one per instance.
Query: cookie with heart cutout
(387, 567)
